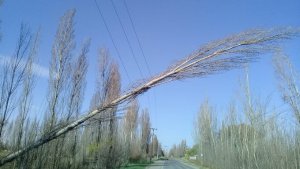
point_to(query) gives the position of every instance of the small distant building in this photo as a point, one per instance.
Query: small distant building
(195, 157)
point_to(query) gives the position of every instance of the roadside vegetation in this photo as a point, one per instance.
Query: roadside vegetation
(140, 165)
(64, 137)
(107, 140)
(254, 133)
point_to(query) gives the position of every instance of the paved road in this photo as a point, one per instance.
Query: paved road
(169, 164)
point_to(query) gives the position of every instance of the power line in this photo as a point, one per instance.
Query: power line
(137, 37)
(127, 40)
(143, 53)
(111, 37)
(153, 134)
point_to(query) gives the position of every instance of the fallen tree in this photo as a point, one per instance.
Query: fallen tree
(215, 57)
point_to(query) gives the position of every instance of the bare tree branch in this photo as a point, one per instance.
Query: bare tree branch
(216, 57)
(13, 75)
(288, 79)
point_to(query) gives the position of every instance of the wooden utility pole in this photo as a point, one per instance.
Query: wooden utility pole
(152, 135)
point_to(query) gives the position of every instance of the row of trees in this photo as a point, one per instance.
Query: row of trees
(254, 134)
(64, 138)
(104, 141)
(179, 150)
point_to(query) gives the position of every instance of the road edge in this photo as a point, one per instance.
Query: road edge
(187, 163)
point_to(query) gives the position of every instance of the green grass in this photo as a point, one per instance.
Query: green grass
(136, 166)
(195, 163)
(3, 153)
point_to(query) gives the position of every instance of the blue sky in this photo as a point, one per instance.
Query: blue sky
(168, 30)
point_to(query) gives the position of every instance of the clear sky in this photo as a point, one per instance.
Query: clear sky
(168, 30)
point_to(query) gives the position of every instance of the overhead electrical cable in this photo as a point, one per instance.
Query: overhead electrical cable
(127, 39)
(143, 54)
(137, 37)
(111, 37)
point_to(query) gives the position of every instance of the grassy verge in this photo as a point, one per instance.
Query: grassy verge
(195, 163)
(136, 166)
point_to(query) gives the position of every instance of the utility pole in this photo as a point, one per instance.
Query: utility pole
(153, 129)
(157, 150)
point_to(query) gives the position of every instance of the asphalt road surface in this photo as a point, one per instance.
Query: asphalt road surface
(169, 164)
